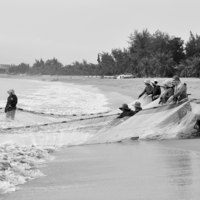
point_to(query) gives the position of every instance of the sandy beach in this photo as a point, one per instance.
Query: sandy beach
(116, 168)
(118, 91)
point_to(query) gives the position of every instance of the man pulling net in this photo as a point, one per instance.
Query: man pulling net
(11, 105)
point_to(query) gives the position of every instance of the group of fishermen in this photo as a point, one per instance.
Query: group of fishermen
(175, 91)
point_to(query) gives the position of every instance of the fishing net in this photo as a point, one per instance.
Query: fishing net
(161, 122)
(153, 122)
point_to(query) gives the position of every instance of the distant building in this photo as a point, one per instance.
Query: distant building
(4, 68)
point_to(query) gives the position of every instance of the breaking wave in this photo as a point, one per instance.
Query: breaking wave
(27, 141)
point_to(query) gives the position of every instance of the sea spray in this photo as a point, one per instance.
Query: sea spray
(19, 164)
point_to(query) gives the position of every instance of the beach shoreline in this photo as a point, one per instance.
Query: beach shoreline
(122, 91)
(127, 87)
(163, 155)
(116, 92)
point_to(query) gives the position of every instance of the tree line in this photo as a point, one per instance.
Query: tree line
(147, 55)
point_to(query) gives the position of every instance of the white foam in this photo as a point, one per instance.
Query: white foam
(49, 97)
(61, 98)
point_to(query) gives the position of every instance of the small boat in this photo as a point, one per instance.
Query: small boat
(123, 76)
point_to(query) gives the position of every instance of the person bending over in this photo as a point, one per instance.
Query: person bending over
(148, 90)
(156, 90)
(11, 104)
(180, 90)
(168, 91)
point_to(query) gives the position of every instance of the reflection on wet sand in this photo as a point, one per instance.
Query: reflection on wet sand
(127, 170)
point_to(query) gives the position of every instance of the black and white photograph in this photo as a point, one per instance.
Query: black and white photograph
(99, 100)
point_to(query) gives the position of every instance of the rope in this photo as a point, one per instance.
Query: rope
(59, 115)
(82, 119)
(170, 105)
(54, 123)
(74, 115)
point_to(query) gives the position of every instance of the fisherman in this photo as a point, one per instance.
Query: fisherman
(168, 91)
(180, 90)
(156, 90)
(148, 90)
(127, 112)
(137, 106)
(11, 104)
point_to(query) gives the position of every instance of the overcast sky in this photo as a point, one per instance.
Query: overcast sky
(73, 30)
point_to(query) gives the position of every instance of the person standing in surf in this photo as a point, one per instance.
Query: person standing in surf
(10, 108)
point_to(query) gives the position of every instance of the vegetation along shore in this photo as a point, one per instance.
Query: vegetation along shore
(147, 55)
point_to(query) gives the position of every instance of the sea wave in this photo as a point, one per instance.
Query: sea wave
(19, 164)
(24, 151)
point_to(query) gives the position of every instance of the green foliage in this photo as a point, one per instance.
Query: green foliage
(148, 55)
(193, 46)
(122, 61)
(159, 43)
(140, 44)
(107, 64)
(19, 69)
(176, 49)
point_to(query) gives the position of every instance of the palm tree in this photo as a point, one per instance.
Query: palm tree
(184, 68)
(145, 66)
(163, 65)
(195, 66)
(140, 43)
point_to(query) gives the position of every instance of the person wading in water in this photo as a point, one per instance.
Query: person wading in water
(11, 105)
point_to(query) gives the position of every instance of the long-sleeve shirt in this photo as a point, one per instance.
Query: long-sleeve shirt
(156, 92)
(166, 95)
(129, 112)
(180, 92)
(11, 103)
(148, 90)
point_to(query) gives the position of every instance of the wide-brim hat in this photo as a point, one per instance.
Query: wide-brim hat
(147, 81)
(167, 83)
(124, 107)
(11, 91)
(137, 104)
(176, 78)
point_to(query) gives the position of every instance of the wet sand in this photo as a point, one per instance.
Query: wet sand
(129, 170)
(167, 169)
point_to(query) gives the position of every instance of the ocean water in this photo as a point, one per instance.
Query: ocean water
(127, 170)
(20, 154)
(54, 97)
